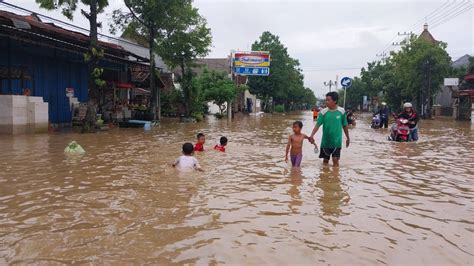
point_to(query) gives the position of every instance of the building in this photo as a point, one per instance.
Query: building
(426, 34)
(464, 97)
(41, 59)
(444, 100)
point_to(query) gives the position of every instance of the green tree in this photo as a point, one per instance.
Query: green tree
(217, 88)
(153, 21)
(415, 73)
(92, 57)
(182, 46)
(284, 85)
(419, 69)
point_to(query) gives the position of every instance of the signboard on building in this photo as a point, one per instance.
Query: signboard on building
(251, 63)
(451, 82)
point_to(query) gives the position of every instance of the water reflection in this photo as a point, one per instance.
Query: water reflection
(296, 180)
(333, 195)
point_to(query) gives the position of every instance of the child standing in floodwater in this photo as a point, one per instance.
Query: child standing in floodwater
(295, 145)
(187, 162)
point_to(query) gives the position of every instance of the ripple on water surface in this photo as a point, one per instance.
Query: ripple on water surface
(403, 203)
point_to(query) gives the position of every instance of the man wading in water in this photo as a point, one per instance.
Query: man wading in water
(333, 119)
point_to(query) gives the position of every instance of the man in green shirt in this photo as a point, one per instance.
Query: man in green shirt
(333, 119)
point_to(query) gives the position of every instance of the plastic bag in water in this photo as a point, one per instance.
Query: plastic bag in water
(74, 148)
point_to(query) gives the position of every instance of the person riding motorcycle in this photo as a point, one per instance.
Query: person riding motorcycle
(384, 113)
(409, 114)
(350, 117)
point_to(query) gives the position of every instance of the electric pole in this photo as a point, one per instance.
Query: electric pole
(428, 93)
(383, 55)
(406, 40)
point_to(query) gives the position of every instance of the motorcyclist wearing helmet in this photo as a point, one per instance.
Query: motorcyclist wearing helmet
(409, 114)
(384, 113)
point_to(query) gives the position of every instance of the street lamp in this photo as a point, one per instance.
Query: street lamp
(330, 84)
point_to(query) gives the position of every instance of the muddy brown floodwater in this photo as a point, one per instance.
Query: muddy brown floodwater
(389, 203)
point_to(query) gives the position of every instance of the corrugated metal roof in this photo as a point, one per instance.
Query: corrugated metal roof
(50, 28)
(142, 52)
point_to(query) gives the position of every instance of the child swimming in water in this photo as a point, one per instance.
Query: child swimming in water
(295, 145)
(187, 162)
(221, 146)
(201, 139)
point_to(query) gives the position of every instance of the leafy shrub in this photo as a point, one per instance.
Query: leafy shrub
(198, 116)
(280, 108)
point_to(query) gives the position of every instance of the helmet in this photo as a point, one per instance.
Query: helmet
(407, 105)
(384, 103)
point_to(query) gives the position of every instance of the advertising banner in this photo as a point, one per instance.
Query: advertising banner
(251, 59)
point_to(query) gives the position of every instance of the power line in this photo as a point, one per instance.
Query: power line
(450, 12)
(439, 12)
(452, 17)
(66, 23)
(432, 13)
(329, 69)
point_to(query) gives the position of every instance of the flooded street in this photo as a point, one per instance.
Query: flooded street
(390, 203)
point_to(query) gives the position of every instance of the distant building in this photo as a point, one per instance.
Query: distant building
(444, 98)
(426, 35)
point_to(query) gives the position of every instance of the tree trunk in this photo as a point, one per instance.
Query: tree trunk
(153, 88)
(90, 120)
(184, 86)
(429, 101)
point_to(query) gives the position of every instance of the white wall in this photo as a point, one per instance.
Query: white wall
(21, 114)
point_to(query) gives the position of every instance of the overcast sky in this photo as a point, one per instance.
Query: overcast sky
(329, 38)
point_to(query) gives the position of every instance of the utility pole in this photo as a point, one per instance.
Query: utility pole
(330, 83)
(236, 80)
(406, 40)
(428, 93)
(383, 55)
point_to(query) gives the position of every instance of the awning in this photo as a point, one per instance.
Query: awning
(466, 92)
(140, 91)
(469, 76)
(120, 85)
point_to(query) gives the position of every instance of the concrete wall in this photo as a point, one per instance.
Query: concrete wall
(213, 108)
(23, 114)
(444, 97)
(472, 110)
(256, 105)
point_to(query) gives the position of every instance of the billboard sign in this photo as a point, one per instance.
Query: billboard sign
(252, 59)
(251, 63)
(252, 71)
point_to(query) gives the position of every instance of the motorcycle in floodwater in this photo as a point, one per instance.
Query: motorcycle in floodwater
(375, 121)
(400, 131)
